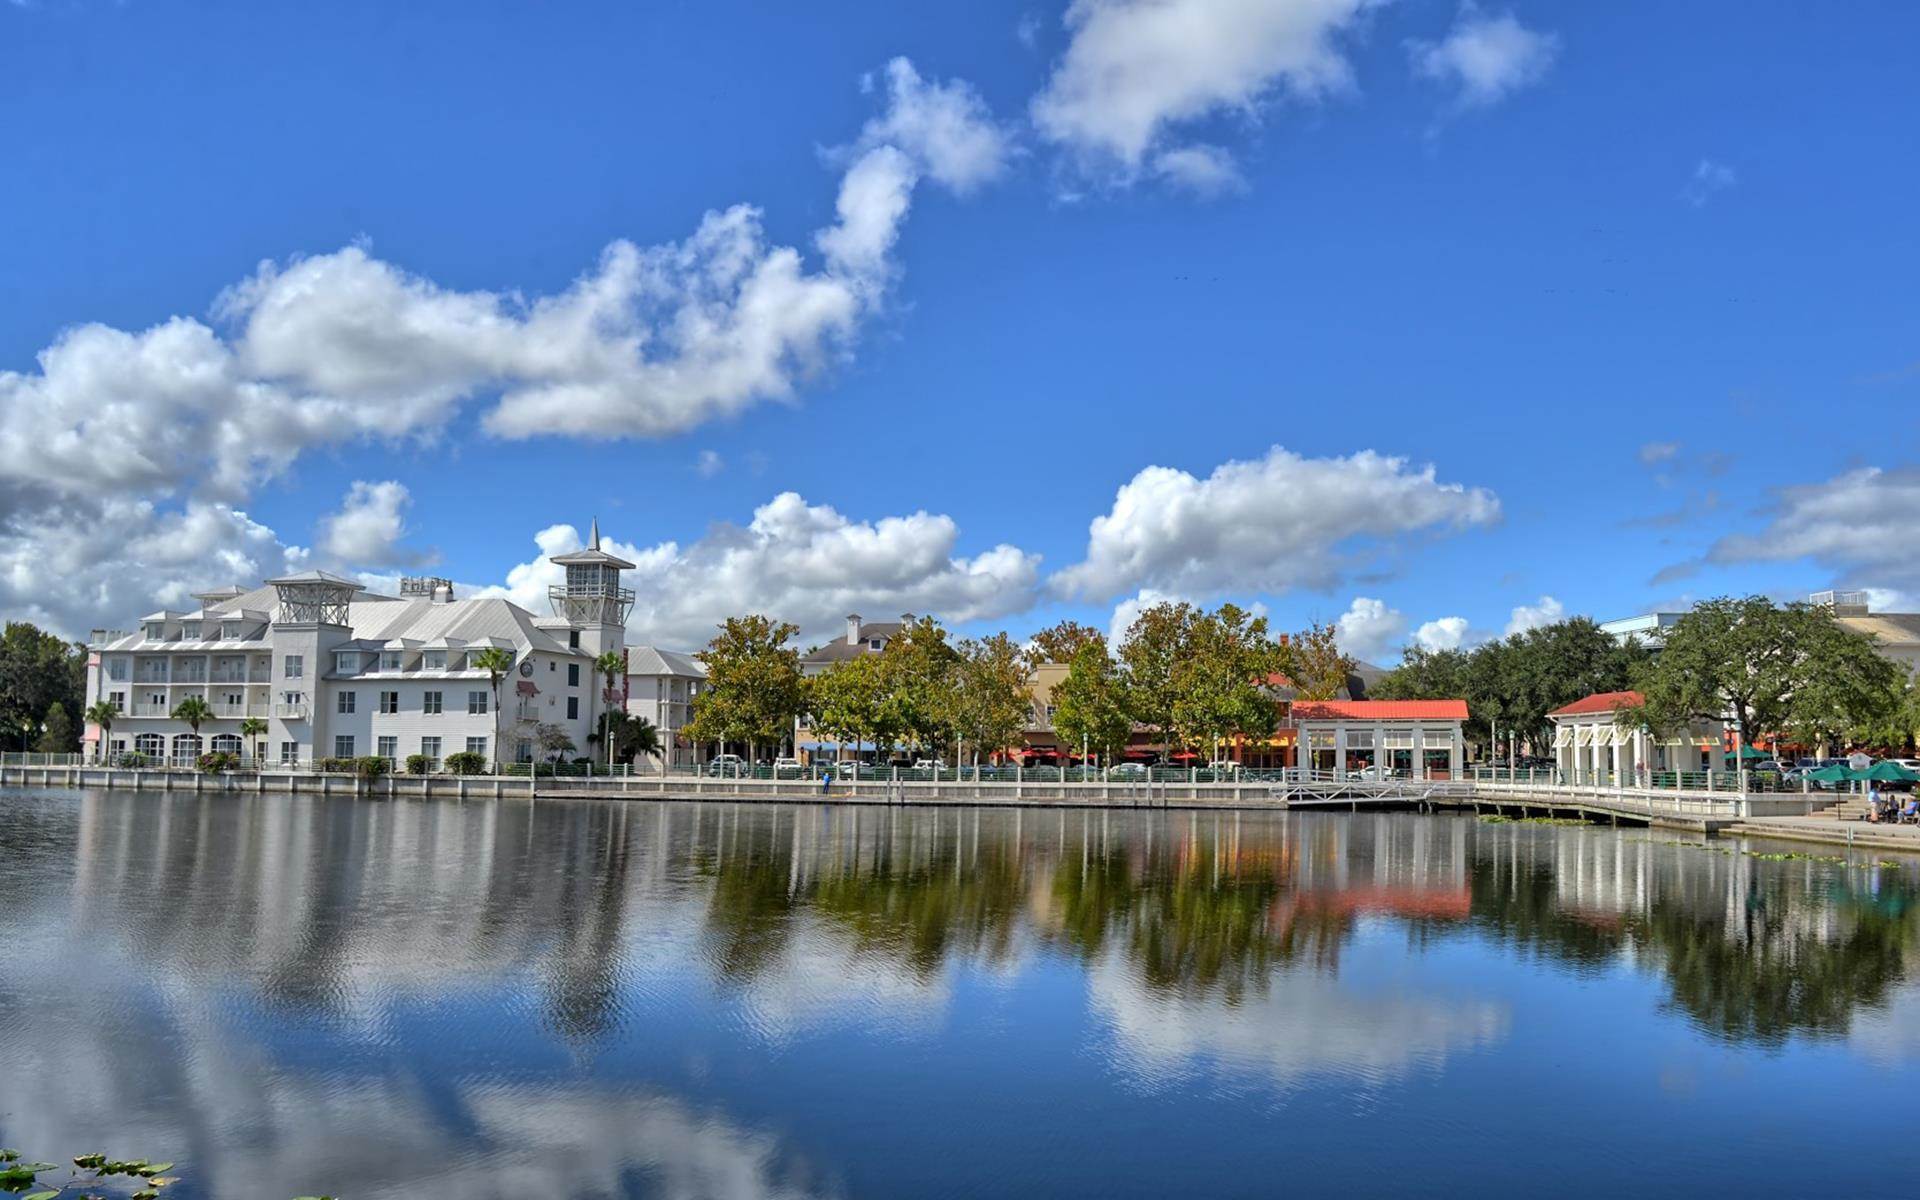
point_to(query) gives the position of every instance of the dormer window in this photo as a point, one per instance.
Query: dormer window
(190, 631)
(434, 660)
(389, 660)
(153, 631)
(346, 662)
(230, 630)
(873, 643)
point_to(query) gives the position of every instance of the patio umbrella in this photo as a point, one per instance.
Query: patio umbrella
(1833, 774)
(1885, 771)
(1751, 752)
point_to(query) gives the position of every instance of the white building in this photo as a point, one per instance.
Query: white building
(661, 686)
(336, 670)
(1591, 745)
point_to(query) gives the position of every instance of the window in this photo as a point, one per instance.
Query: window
(150, 744)
(345, 703)
(347, 662)
(573, 674)
(389, 660)
(343, 745)
(430, 703)
(117, 670)
(157, 700)
(236, 703)
(289, 752)
(294, 666)
(153, 632)
(430, 746)
(477, 745)
(573, 708)
(873, 643)
(387, 747)
(434, 660)
(190, 631)
(389, 702)
(476, 703)
(118, 700)
(229, 630)
(573, 639)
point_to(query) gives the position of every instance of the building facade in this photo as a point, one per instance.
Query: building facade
(1593, 745)
(335, 670)
(661, 687)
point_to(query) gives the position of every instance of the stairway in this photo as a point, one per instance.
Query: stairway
(1849, 808)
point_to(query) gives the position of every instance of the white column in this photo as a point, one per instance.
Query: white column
(1614, 737)
(1453, 753)
(1339, 750)
(1419, 753)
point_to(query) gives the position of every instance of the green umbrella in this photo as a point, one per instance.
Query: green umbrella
(1833, 774)
(1885, 771)
(1751, 752)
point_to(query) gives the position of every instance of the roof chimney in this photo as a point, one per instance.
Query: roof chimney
(853, 629)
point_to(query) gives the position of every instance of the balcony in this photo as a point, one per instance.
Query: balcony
(138, 709)
(290, 712)
(149, 675)
(238, 710)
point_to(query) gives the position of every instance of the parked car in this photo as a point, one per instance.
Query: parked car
(1129, 772)
(787, 768)
(727, 764)
(928, 764)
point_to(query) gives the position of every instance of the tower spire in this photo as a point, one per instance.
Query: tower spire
(593, 538)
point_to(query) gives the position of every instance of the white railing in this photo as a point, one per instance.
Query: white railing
(291, 712)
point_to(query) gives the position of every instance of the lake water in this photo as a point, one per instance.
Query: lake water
(381, 999)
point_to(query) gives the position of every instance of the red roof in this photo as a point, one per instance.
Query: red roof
(1380, 710)
(1600, 702)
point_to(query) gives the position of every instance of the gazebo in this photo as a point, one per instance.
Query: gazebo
(1592, 745)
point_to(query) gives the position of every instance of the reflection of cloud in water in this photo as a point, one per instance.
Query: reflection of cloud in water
(1303, 1023)
(1887, 1033)
(185, 1084)
(817, 982)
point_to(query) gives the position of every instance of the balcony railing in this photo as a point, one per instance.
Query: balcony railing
(290, 712)
(138, 709)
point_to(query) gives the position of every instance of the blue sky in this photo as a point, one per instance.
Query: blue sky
(1636, 280)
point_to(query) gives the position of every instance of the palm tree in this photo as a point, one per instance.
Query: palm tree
(613, 665)
(101, 713)
(629, 736)
(255, 728)
(496, 662)
(193, 710)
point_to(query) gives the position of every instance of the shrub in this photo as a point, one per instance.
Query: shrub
(131, 760)
(467, 762)
(419, 764)
(215, 761)
(338, 766)
(371, 766)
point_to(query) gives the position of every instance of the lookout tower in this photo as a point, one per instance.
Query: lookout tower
(591, 603)
(313, 598)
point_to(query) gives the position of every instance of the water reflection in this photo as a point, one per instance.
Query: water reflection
(492, 998)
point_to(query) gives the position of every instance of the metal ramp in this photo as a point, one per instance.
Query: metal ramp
(1351, 793)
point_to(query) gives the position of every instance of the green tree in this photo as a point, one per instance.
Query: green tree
(1062, 642)
(754, 689)
(991, 700)
(1771, 668)
(611, 665)
(849, 702)
(102, 714)
(1425, 675)
(1313, 660)
(1154, 646)
(254, 729)
(496, 661)
(37, 670)
(56, 735)
(921, 670)
(1090, 705)
(1220, 684)
(195, 711)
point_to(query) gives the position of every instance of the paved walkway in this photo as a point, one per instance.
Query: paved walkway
(1832, 832)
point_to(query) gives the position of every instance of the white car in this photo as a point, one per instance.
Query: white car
(728, 765)
(928, 764)
(1127, 771)
(784, 768)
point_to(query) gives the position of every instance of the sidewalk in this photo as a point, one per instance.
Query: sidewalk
(1830, 832)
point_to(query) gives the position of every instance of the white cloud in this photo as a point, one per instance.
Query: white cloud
(1206, 171)
(369, 528)
(1027, 30)
(802, 563)
(1654, 453)
(1859, 525)
(1532, 616)
(1485, 57)
(1444, 633)
(945, 127)
(1708, 179)
(77, 565)
(1369, 629)
(1269, 525)
(1135, 69)
(708, 464)
(178, 424)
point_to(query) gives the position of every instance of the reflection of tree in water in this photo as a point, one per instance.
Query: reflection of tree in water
(1766, 973)
(1749, 954)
